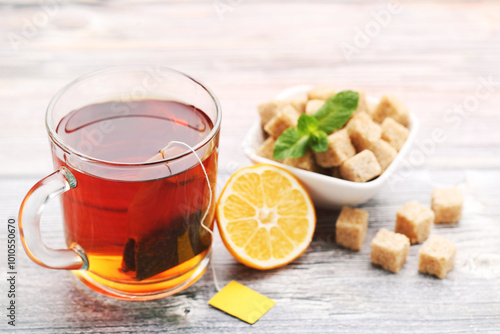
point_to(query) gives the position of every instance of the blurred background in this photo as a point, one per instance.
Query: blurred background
(432, 54)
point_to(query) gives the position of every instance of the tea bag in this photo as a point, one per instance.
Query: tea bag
(154, 246)
(151, 254)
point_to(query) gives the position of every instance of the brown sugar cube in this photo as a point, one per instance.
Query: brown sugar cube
(299, 104)
(266, 149)
(335, 172)
(268, 110)
(362, 103)
(415, 221)
(371, 108)
(389, 250)
(304, 162)
(437, 256)
(384, 153)
(390, 106)
(364, 132)
(447, 205)
(285, 119)
(321, 93)
(351, 227)
(394, 133)
(313, 105)
(355, 118)
(360, 168)
(339, 149)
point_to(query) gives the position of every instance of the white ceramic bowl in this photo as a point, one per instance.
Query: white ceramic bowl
(326, 191)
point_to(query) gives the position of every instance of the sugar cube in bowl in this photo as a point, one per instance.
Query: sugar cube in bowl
(328, 191)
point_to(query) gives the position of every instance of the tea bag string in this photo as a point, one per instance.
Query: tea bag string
(216, 283)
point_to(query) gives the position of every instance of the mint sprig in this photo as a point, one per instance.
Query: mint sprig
(291, 144)
(337, 110)
(312, 131)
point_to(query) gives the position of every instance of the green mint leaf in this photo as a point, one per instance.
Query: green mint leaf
(291, 144)
(336, 111)
(312, 131)
(307, 125)
(319, 141)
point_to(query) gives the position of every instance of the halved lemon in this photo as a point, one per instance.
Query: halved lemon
(265, 216)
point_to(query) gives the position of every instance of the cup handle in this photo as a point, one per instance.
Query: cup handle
(29, 224)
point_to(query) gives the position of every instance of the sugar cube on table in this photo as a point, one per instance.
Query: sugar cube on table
(364, 132)
(447, 205)
(304, 162)
(266, 149)
(437, 256)
(351, 227)
(321, 93)
(389, 250)
(360, 168)
(390, 106)
(313, 105)
(415, 221)
(384, 153)
(339, 149)
(285, 119)
(394, 133)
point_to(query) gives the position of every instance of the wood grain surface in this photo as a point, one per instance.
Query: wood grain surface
(440, 57)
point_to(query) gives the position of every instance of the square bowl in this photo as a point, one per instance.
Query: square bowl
(327, 191)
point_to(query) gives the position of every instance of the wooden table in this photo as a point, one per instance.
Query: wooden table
(433, 54)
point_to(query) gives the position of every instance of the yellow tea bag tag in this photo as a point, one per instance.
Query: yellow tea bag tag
(241, 302)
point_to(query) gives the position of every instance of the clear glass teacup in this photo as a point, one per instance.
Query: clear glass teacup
(135, 151)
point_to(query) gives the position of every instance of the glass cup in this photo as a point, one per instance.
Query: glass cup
(135, 229)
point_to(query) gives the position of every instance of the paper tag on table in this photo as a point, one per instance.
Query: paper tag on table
(242, 302)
